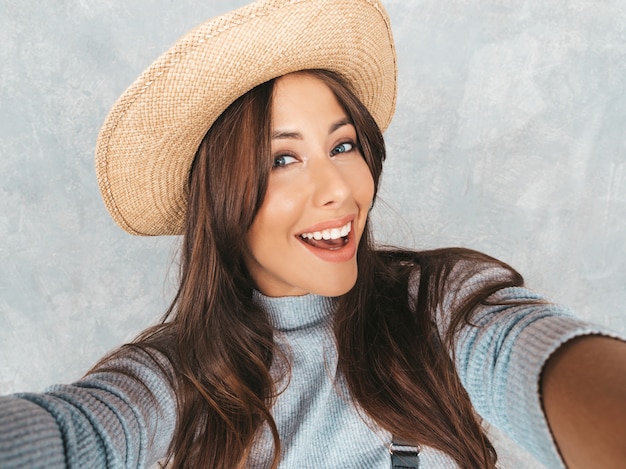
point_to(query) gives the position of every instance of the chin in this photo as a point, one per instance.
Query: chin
(334, 287)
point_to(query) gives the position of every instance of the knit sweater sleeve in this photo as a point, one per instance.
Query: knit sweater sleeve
(501, 356)
(120, 417)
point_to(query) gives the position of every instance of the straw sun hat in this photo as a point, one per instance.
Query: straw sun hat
(148, 141)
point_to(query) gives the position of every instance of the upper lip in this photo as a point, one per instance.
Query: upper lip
(327, 225)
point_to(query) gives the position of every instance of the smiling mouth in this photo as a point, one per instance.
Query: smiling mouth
(333, 238)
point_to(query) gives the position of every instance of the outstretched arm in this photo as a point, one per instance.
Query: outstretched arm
(121, 416)
(584, 397)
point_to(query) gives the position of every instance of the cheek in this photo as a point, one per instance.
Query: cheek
(280, 204)
(363, 185)
(275, 219)
(279, 209)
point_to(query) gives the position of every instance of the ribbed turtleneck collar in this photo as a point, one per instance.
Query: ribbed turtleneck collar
(295, 312)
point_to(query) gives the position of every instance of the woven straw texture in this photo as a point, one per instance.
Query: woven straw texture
(148, 141)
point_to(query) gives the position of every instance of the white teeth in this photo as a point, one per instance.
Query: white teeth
(332, 233)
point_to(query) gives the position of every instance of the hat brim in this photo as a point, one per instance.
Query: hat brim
(148, 141)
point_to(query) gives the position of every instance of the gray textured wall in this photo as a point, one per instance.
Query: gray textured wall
(509, 138)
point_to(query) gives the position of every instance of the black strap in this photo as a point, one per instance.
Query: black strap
(404, 455)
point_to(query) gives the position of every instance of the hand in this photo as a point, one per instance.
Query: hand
(584, 397)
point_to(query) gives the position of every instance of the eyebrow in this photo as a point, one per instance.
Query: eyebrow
(280, 134)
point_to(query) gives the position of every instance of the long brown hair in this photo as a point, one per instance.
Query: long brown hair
(398, 367)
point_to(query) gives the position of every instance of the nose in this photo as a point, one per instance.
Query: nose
(330, 183)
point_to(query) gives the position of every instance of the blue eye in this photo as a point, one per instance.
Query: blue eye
(344, 147)
(281, 161)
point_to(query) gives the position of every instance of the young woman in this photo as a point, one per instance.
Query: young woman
(293, 341)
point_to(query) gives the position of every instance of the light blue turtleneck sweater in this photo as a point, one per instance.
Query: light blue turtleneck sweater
(109, 420)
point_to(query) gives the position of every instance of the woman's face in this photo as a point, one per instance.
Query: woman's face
(305, 236)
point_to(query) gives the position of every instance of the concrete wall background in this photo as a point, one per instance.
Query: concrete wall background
(508, 138)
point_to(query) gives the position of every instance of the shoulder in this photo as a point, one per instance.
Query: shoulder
(449, 285)
(451, 273)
